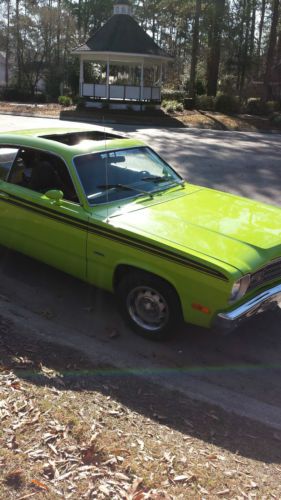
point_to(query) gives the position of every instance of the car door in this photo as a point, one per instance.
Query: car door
(50, 231)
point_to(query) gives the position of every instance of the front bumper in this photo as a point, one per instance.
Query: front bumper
(228, 321)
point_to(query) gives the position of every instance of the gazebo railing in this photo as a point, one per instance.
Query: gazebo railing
(121, 92)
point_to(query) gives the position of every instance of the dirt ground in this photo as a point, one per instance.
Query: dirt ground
(190, 119)
(71, 429)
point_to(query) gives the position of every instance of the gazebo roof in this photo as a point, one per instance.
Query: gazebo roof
(122, 34)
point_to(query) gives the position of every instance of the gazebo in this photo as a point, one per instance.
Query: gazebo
(121, 63)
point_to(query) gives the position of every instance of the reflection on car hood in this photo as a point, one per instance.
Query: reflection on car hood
(239, 232)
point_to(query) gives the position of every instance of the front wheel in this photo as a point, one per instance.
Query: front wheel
(149, 305)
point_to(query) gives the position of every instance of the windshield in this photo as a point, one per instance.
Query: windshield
(116, 175)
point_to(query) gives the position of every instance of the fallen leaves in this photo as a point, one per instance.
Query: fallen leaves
(15, 479)
(39, 485)
(71, 444)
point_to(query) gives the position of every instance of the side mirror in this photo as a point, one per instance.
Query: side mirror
(55, 195)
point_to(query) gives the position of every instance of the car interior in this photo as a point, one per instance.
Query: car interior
(42, 172)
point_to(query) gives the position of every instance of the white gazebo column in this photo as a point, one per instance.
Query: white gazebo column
(161, 74)
(142, 74)
(81, 76)
(107, 78)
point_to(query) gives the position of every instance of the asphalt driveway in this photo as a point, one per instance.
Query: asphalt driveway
(241, 371)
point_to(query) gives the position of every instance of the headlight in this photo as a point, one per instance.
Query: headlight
(239, 288)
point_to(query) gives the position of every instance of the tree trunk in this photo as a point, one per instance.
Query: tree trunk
(245, 46)
(7, 44)
(215, 47)
(261, 25)
(253, 28)
(271, 50)
(58, 32)
(18, 48)
(195, 48)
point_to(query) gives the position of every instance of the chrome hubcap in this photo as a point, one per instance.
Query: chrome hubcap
(148, 308)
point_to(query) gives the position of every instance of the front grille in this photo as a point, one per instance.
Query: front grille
(270, 272)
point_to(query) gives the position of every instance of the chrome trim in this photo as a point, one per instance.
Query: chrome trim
(263, 269)
(228, 321)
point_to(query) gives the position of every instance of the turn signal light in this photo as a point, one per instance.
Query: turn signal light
(201, 308)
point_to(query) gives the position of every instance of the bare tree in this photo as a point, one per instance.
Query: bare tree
(271, 49)
(195, 48)
(215, 32)
(261, 26)
(7, 44)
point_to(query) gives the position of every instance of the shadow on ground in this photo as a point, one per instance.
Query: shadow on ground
(243, 355)
(26, 357)
(245, 164)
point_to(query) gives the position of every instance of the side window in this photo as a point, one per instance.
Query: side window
(7, 157)
(41, 172)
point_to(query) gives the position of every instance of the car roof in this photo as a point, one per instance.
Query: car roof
(69, 140)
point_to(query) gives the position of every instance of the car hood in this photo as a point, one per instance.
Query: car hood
(236, 231)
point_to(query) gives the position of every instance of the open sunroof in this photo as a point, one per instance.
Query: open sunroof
(74, 138)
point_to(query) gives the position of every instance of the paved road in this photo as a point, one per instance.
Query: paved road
(248, 364)
(244, 163)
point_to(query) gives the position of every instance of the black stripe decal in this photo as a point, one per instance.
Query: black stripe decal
(113, 235)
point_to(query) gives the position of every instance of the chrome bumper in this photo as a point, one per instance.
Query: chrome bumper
(230, 320)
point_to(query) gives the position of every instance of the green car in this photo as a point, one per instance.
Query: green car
(108, 210)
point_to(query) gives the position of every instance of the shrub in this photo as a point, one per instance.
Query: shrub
(81, 103)
(172, 106)
(173, 95)
(205, 102)
(200, 87)
(227, 104)
(272, 106)
(65, 101)
(276, 119)
(255, 106)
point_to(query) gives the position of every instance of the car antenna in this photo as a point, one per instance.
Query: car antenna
(106, 172)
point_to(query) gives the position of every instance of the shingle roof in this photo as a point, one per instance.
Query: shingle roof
(122, 33)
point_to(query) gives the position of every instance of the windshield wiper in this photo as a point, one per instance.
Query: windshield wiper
(125, 187)
(156, 179)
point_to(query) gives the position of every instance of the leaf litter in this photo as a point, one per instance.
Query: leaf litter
(60, 442)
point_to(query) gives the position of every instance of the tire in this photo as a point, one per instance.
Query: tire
(149, 305)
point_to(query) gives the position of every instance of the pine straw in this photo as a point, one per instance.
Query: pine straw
(52, 109)
(220, 121)
(190, 119)
(72, 434)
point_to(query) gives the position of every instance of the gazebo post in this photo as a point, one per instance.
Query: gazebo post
(161, 74)
(142, 73)
(81, 76)
(107, 78)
